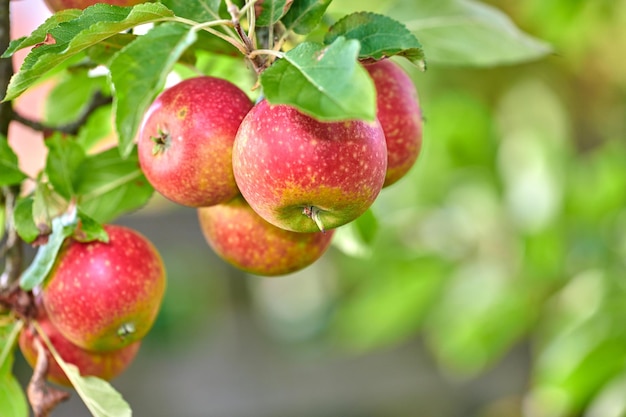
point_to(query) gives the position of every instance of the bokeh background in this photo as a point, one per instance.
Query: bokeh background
(494, 284)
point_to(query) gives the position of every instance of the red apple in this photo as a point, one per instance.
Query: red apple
(400, 116)
(105, 365)
(104, 296)
(303, 175)
(57, 5)
(242, 238)
(186, 139)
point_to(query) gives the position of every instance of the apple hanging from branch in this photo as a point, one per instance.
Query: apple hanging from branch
(305, 175)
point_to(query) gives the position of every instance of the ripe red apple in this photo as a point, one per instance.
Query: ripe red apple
(57, 5)
(303, 175)
(186, 139)
(105, 365)
(104, 296)
(241, 237)
(400, 116)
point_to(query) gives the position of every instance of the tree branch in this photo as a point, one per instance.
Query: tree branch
(98, 100)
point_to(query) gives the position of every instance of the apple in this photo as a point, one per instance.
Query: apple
(400, 116)
(104, 296)
(304, 175)
(58, 5)
(242, 238)
(186, 138)
(104, 365)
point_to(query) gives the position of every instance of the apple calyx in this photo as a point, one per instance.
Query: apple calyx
(313, 213)
(161, 142)
(126, 329)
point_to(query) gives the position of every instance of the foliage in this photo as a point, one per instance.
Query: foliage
(501, 240)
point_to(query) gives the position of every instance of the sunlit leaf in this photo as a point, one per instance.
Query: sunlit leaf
(324, 81)
(198, 10)
(40, 267)
(140, 70)
(39, 34)
(379, 35)
(95, 24)
(467, 32)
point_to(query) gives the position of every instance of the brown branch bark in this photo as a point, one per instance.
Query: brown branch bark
(98, 100)
(43, 398)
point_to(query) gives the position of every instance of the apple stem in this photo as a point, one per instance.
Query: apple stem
(313, 213)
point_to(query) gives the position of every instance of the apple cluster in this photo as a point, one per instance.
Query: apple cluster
(97, 304)
(270, 183)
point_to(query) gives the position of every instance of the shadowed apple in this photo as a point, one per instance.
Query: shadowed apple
(242, 238)
(104, 365)
(400, 116)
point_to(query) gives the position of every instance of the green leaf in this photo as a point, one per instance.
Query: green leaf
(62, 227)
(10, 172)
(69, 98)
(379, 35)
(112, 186)
(102, 52)
(357, 237)
(39, 35)
(141, 68)
(324, 81)
(63, 163)
(95, 24)
(271, 11)
(8, 335)
(12, 399)
(467, 32)
(99, 396)
(197, 10)
(304, 15)
(90, 230)
(98, 127)
(24, 221)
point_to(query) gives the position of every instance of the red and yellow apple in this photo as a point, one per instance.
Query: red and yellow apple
(400, 116)
(104, 296)
(186, 138)
(104, 365)
(303, 175)
(242, 238)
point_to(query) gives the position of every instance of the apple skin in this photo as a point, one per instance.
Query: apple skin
(242, 238)
(197, 119)
(104, 365)
(104, 296)
(400, 116)
(286, 163)
(58, 5)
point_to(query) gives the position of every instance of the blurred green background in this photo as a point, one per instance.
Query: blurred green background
(494, 285)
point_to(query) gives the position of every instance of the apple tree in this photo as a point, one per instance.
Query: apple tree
(310, 118)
